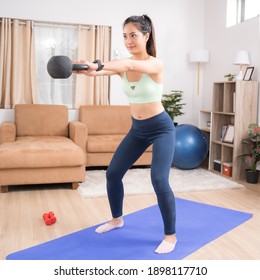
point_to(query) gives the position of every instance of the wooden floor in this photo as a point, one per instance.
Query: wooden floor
(22, 226)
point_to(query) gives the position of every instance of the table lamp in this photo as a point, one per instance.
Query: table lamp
(242, 58)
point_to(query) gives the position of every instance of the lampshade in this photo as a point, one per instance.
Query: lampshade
(242, 58)
(199, 55)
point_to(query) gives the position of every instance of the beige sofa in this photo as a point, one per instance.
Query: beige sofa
(106, 126)
(41, 147)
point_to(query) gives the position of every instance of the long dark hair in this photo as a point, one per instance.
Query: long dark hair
(144, 24)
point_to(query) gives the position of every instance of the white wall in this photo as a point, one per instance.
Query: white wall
(223, 44)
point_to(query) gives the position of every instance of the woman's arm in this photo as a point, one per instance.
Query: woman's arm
(92, 69)
(149, 66)
(94, 73)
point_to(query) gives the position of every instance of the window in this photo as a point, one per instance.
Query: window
(31, 47)
(241, 10)
(53, 40)
(251, 8)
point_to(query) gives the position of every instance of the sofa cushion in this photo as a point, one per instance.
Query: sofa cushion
(40, 152)
(41, 120)
(105, 143)
(105, 119)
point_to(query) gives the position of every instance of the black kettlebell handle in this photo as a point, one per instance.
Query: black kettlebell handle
(80, 67)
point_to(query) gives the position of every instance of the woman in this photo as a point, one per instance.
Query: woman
(142, 78)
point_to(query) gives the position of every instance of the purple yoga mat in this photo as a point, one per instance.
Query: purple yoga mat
(197, 224)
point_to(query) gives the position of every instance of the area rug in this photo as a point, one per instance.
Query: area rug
(197, 224)
(137, 181)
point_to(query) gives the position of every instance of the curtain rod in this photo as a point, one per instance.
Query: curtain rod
(57, 24)
(54, 24)
(21, 21)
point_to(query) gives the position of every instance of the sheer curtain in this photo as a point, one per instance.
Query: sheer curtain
(17, 63)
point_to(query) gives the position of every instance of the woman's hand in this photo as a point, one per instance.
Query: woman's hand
(92, 70)
(91, 67)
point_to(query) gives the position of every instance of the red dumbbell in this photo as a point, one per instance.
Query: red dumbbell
(49, 218)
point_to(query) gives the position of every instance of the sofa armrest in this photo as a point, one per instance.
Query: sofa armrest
(78, 133)
(7, 132)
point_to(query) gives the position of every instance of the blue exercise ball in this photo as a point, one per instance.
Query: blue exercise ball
(191, 147)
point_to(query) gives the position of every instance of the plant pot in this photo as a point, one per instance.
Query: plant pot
(252, 176)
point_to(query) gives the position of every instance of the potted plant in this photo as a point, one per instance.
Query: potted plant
(252, 156)
(172, 103)
(230, 77)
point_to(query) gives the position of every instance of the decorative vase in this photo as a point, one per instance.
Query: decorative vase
(252, 176)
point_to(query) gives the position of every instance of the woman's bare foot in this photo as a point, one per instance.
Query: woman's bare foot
(113, 224)
(167, 245)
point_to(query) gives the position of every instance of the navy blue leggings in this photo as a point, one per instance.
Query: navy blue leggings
(159, 131)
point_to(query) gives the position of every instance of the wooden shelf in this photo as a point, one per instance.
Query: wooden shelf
(206, 129)
(222, 143)
(205, 118)
(233, 103)
(224, 113)
(205, 111)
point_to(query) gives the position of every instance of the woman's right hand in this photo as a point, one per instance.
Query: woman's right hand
(91, 67)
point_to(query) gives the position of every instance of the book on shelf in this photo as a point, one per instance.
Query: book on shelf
(223, 131)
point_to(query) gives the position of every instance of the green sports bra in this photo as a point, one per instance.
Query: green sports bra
(143, 91)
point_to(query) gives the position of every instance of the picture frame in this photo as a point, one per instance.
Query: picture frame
(229, 134)
(248, 73)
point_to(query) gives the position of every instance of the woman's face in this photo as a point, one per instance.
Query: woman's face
(134, 40)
